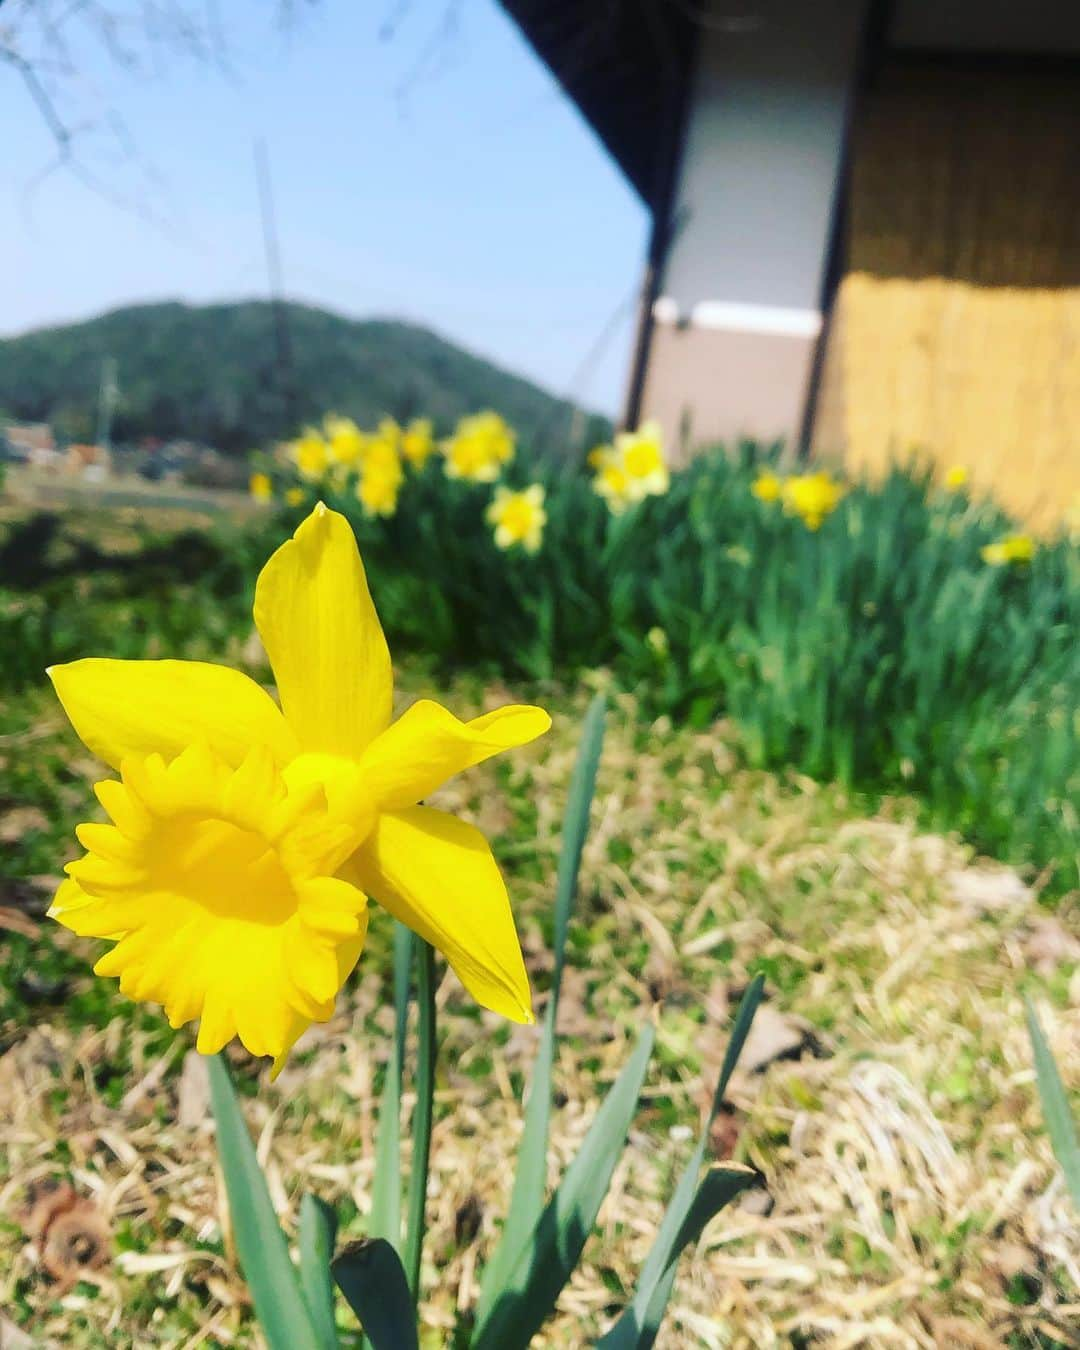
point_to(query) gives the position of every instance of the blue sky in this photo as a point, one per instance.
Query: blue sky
(430, 173)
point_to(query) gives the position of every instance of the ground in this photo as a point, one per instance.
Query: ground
(912, 1198)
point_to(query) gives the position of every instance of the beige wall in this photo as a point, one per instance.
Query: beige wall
(706, 385)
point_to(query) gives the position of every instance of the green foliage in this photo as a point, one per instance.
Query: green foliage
(527, 1199)
(372, 1278)
(210, 373)
(880, 651)
(275, 1288)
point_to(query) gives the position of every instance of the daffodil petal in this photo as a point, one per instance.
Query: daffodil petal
(314, 613)
(347, 953)
(124, 709)
(437, 875)
(428, 744)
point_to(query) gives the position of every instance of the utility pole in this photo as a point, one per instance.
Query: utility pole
(286, 386)
(108, 392)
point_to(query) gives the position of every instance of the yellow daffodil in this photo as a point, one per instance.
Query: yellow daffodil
(310, 455)
(641, 456)
(390, 430)
(599, 456)
(956, 477)
(613, 484)
(294, 496)
(812, 497)
(1013, 548)
(344, 440)
(479, 448)
(518, 517)
(417, 442)
(767, 487)
(233, 881)
(261, 487)
(381, 456)
(378, 488)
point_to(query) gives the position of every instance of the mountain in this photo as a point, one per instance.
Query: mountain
(211, 373)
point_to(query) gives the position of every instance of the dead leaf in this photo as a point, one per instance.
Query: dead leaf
(16, 922)
(1049, 944)
(70, 1231)
(77, 1241)
(774, 1035)
(21, 821)
(11, 1338)
(193, 1104)
(987, 889)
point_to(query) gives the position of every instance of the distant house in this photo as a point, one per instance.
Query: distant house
(24, 442)
(92, 462)
(866, 222)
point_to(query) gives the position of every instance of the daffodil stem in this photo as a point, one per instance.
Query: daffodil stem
(425, 1093)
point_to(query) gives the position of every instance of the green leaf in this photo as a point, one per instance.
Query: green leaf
(422, 1113)
(260, 1243)
(744, 1017)
(636, 1328)
(385, 1221)
(527, 1197)
(372, 1278)
(1059, 1122)
(550, 1254)
(318, 1229)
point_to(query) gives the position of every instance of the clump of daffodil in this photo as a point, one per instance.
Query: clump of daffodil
(767, 487)
(1013, 548)
(956, 477)
(518, 517)
(418, 442)
(294, 496)
(812, 497)
(246, 838)
(479, 448)
(261, 487)
(311, 455)
(344, 440)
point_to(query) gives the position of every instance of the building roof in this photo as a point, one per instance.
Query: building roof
(626, 64)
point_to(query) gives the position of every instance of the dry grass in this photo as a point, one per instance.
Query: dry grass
(915, 1200)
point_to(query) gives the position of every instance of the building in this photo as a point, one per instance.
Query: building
(866, 223)
(28, 442)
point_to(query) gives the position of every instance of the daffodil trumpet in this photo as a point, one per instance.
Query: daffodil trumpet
(245, 838)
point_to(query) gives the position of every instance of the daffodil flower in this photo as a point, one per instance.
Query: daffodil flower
(812, 497)
(518, 517)
(767, 487)
(641, 457)
(245, 838)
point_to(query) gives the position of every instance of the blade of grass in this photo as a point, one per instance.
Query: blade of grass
(260, 1244)
(527, 1196)
(1059, 1122)
(549, 1256)
(318, 1229)
(372, 1278)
